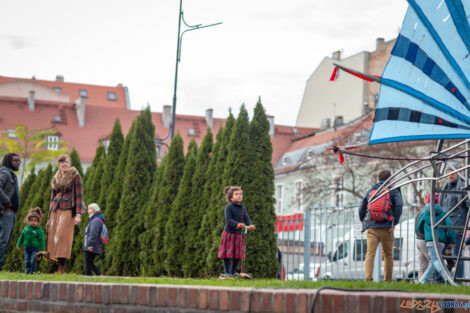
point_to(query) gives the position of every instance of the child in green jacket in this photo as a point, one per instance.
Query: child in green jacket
(32, 237)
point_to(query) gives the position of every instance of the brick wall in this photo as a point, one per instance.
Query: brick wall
(33, 296)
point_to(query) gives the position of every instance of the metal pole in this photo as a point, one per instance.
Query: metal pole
(178, 58)
(173, 113)
(307, 228)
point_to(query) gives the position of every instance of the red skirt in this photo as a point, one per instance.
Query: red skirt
(231, 246)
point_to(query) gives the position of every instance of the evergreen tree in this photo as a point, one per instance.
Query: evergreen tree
(91, 182)
(236, 173)
(25, 188)
(208, 221)
(177, 227)
(198, 207)
(75, 161)
(113, 197)
(237, 168)
(259, 200)
(47, 267)
(116, 140)
(91, 191)
(140, 170)
(216, 214)
(172, 174)
(147, 250)
(192, 148)
(114, 193)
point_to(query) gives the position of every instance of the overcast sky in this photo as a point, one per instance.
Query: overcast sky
(265, 48)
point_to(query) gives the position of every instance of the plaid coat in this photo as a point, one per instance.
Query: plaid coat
(69, 198)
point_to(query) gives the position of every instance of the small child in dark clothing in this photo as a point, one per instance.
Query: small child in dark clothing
(231, 244)
(32, 237)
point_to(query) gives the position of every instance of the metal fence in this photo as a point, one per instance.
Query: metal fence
(331, 241)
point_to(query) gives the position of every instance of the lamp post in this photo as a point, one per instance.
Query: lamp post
(178, 58)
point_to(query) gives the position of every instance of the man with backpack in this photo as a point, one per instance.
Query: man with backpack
(379, 219)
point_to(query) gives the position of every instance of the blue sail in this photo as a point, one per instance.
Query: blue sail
(425, 86)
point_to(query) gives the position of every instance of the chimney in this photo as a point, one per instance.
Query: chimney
(336, 55)
(31, 100)
(271, 125)
(59, 78)
(325, 123)
(166, 115)
(379, 43)
(80, 108)
(338, 121)
(210, 118)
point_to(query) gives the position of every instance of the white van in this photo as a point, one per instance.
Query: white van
(346, 260)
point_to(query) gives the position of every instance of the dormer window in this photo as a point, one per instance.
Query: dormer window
(57, 89)
(111, 96)
(310, 154)
(284, 160)
(191, 131)
(57, 119)
(83, 93)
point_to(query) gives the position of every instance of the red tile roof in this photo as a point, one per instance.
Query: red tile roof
(99, 121)
(97, 95)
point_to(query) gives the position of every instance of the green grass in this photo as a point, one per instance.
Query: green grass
(257, 283)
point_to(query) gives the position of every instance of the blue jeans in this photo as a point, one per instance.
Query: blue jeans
(433, 262)
(30, 260)
(455, 251)
(7, 224)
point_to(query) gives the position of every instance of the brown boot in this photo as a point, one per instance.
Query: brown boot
(60, 270)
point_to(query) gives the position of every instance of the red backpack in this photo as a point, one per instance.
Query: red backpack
(380, 210)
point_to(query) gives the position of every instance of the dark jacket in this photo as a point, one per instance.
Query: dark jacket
(449, 200)
(92, 233)
(8, 189)
(234, 214)
(424, 225)
(396, 203)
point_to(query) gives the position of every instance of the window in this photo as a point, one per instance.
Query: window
(111, 96)
(53, 143)
(57, 89)
(298, 195)
(284, 160)
(57, 119)
(278, 197)
(190, 131)
(11, 133)
(83, 93)
(309, 154)
(360, 249)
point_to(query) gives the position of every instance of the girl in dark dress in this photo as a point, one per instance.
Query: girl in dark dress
(231, 244)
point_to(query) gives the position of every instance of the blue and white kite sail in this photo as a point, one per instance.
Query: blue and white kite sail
(425, 87)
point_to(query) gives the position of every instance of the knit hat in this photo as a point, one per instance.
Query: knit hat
(428, 198)
(452, 166)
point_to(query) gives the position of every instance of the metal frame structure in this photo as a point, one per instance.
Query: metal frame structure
(437, 161)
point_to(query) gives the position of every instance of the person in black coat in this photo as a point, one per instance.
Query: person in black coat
(9, 200)
(92, 244)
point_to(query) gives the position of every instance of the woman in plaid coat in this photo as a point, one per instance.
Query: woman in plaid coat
(231, 244)
(64, 211)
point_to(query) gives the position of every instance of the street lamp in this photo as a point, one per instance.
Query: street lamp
(178, 58)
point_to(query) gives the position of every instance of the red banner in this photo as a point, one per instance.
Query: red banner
(289, 222)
